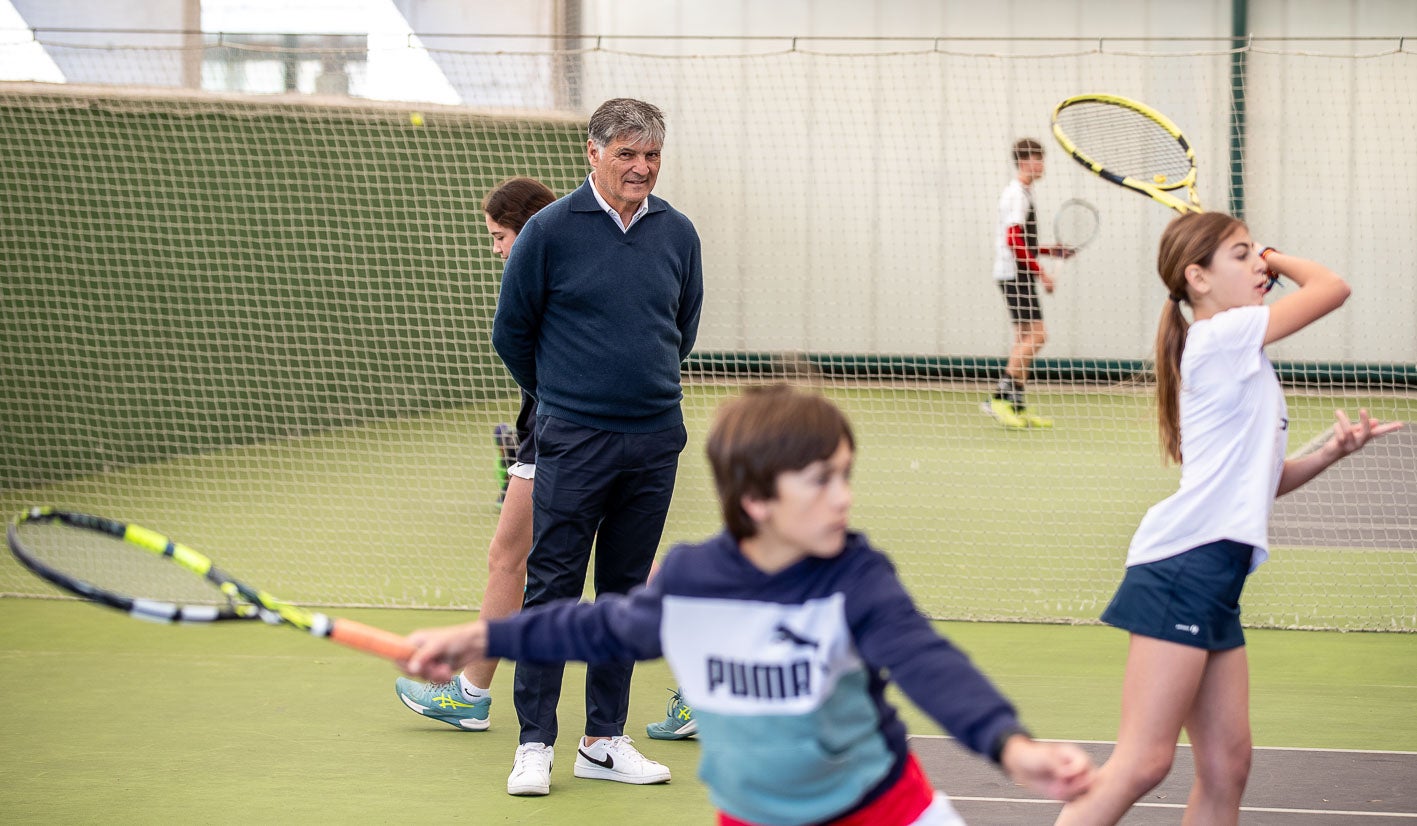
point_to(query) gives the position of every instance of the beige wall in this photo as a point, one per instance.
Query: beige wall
(846, 189)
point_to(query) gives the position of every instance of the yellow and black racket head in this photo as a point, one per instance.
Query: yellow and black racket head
(123, 566)
(1129, 144)
(148, 576)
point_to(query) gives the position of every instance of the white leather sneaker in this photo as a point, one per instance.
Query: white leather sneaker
(531, 771)
(615, 759)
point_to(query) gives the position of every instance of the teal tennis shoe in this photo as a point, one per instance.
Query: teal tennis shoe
(445, 702)
(678, 722)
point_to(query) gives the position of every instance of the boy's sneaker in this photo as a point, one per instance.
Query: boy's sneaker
(615, 759)
(1034, 420)
(1003, 412)
(531, 770)
(445, 702)
(678, 722)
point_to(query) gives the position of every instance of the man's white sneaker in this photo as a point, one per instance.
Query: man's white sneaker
(615, 759)
(531, 771)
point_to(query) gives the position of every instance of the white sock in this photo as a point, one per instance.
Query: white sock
(472, 692)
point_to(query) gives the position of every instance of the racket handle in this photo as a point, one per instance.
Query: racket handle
(372, 640)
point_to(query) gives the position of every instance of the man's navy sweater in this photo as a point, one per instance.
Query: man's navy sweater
(594, 322)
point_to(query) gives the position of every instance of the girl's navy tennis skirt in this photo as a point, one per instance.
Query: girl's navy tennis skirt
(1192, 598)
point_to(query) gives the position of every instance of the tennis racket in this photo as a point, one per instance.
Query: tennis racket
(1134, 146)
(105, 561)
(1075, 224)
(1131, 145)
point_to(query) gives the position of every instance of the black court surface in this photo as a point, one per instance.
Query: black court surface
(1366, 500)
(1287, 787)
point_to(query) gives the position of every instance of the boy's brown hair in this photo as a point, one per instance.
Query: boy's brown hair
(1026, 148)
(767, 431)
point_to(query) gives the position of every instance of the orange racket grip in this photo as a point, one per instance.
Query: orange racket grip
(372, 640)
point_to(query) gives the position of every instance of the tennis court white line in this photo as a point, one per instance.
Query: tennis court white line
(1183, 745)
(1264, 809)
(1336, 751)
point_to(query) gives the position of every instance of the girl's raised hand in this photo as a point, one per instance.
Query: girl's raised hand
(1349, 437)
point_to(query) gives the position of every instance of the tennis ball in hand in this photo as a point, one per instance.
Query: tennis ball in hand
(416, 118)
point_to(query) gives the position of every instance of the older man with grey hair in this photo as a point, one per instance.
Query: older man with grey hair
(599, 306)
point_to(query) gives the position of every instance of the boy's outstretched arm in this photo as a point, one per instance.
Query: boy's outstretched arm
(614, 628)
(442, 652)
(1062, 771)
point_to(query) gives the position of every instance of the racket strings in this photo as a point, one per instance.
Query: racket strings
(115, 566)
(1125, 142)
(1074, 225)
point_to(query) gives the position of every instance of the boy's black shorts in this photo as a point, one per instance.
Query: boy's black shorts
(1021, 296)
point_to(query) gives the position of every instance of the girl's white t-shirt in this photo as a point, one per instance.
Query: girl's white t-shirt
(1234, 431)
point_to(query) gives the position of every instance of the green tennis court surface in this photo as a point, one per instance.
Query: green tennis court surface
(117, 721)
(983, 524)
(114, 721)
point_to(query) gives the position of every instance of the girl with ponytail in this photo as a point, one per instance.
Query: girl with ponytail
(1222, 416)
